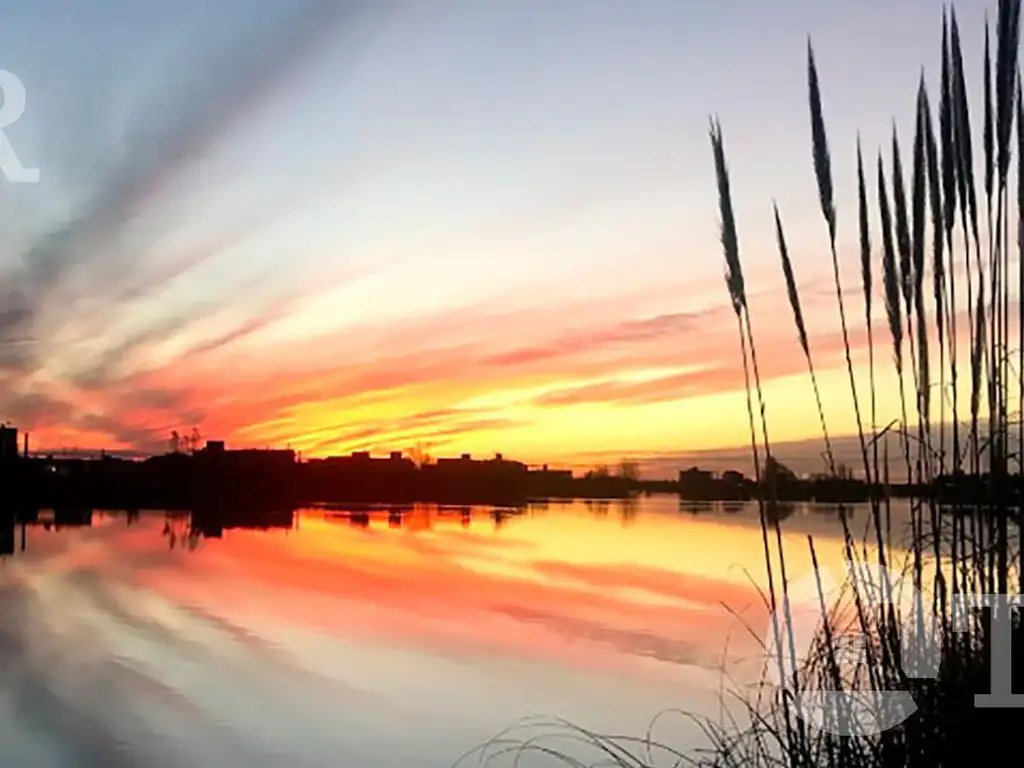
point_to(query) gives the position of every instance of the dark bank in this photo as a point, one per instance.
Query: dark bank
(216, 475)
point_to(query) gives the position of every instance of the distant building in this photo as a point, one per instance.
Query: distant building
(467, 465)
(695, 475)
(217, 475)
(360, 477)
(546, 473)
(253, 459)
(8, 442)
(695, 483)
(734, 486)
(362, 462)
(258, 459)
(496, 479)
(547, 483)
(464, 459)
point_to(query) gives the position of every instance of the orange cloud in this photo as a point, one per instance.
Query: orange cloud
(479, 377)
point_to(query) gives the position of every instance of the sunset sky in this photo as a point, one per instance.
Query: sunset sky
(473, 226)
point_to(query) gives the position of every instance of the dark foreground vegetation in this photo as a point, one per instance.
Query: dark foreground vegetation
(939, 243)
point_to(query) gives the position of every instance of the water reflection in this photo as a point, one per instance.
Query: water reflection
(259, 638)
(695, 507)
(419, 517)
(777, 511)
(628, 509)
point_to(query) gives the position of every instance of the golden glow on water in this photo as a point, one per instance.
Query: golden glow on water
(604, 614)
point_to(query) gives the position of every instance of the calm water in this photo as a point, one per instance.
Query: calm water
(335, 644)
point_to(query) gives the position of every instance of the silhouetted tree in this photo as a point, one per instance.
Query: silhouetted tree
(843, 472)
(629, 470)
(418, 454)
(777, 471)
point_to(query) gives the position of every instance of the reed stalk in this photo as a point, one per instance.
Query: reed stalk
(964, 537)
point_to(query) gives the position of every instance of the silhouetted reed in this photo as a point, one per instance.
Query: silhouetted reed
(954, 551)
(956, 548)
(801, 328)
(823, 174)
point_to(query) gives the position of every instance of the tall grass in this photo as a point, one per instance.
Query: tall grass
(960, 545)
(963, 538)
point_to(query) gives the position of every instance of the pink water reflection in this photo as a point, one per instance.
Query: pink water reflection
(602, 615)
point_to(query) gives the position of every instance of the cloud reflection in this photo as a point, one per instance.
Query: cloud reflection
(320, 640)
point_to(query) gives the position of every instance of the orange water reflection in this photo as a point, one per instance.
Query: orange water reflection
(602, 613)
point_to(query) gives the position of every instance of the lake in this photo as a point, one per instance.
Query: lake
(365, 640)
